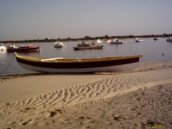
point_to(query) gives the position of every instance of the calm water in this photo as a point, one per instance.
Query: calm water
(150, 50)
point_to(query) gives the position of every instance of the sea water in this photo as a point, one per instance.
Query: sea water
(150, 49)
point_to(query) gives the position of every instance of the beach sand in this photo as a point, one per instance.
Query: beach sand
(139, 99)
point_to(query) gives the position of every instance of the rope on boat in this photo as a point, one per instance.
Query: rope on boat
(7, 66)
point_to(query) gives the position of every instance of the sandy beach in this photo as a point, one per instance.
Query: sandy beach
(140, 99)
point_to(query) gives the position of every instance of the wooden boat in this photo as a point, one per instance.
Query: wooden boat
(60, 65)
(90, 47)
(29, 48)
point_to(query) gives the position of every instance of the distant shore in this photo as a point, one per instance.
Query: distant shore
(85, 38)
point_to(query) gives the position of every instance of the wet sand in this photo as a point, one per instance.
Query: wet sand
(139, 99)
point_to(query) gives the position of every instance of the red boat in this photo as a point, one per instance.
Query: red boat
(93, 43)
(29, 48)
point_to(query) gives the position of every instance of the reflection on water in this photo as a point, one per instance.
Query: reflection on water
(150, 49)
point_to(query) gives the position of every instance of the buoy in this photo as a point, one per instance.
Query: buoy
(163, 54)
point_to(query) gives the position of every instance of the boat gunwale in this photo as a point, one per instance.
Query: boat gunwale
(76, 60)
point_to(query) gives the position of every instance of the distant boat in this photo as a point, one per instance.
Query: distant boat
(93, 43)
(83, 44)
(169, 39)
(156, 38)
(98, 41)
(138, 40)
(60, 65)
(2, 47)
(89, 47)
(23, 48)
(116, 41)
(59, 45)
(107, 41)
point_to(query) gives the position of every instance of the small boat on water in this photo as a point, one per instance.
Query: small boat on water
(83, 44)
(169, 39)
(138, 40)
(156, 38)
(23, 48)
(61, 65)
(89, 47)
(116, 41)
(93, 43)
(2, 47)
(59, 45)
(98, 41)
(108, 41)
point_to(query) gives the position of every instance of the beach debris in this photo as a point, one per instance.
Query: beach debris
(6, 104)
(151, 123)
(55, 112)
(26, 109)
(117, 118)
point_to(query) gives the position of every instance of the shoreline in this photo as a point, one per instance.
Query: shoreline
(144, 66)
(86, 39)
(139, 99)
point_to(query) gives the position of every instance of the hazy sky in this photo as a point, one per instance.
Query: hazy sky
(40, 19)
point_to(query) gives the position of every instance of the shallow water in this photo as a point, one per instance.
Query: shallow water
(150, 50)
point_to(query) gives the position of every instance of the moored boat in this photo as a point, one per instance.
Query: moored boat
(83, 44)
(2, 47)
(156, 38)
(116, 41)
(89, 47)
(108, 41)
(138, 40)
(98, 41)
(59, 45)
(60, 65)
(23, 48)
(169, 39)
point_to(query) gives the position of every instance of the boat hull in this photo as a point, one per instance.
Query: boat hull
(116, 43)
(117, 68)
(91, 47)
(33, 49)
(58, 46)
(80, 65)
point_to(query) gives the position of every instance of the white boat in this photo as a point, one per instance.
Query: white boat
(169, 39)
(98, 41)
(11, 46)
(2, 47)
(108, 41)
(138, 40)
(116, 41)
(60, 65)
(59, 45)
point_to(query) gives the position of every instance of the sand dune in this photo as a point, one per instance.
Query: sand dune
(137, 99)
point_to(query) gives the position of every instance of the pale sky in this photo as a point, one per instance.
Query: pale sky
(40, 19)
